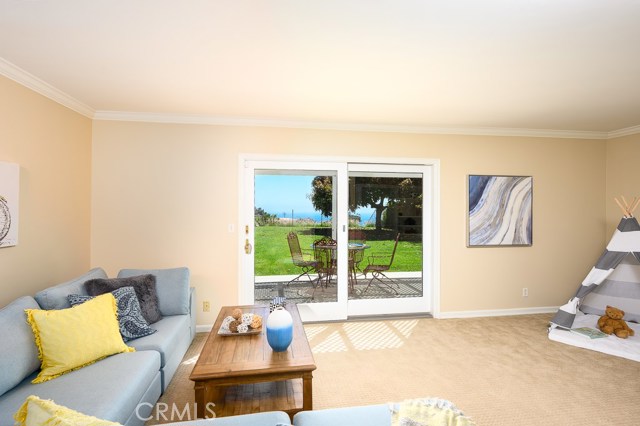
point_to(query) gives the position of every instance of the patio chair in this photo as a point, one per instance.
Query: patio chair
(324, 252)
(302, 260)
(378, 265)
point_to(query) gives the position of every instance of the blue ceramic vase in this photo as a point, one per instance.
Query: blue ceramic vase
(279, 329)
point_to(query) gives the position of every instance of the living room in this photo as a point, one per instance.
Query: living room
(125, 190)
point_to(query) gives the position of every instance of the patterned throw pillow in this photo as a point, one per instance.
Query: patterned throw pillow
(132, 323)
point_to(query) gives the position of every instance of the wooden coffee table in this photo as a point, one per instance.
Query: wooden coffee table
(240, 360)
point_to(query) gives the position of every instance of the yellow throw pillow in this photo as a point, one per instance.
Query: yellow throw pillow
(69, 339)
(41, 412)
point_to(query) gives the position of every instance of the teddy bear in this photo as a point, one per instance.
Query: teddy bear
(612, 323)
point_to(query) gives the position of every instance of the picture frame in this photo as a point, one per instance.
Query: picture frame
(9, 191)
(499, 211)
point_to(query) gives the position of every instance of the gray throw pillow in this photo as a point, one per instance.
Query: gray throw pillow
(144, 286)
(132, 323)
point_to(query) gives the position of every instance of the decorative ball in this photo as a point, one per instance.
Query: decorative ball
(233, 326)
(237, 314)
(256, 322)
(247, 318)
(226, 322)
(243, 328)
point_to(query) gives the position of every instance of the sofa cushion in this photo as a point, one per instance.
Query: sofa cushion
(132, 323)
(18, 351)
(172, 286)
(110, 389)
(69, 339)
(268, 418)
(39, 412)
(56, 297)
(144, 285)
(370, 415)
(170, 331)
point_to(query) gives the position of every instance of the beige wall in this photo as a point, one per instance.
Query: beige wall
(164, 194)
(623, 176)
(52, 145)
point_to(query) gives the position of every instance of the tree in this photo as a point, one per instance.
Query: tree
(373, 192)
(321, 194)
(263, 218)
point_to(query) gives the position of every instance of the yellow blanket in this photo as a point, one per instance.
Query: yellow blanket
(427, 412)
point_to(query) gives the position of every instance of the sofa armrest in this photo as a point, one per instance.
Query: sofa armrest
(192, 310)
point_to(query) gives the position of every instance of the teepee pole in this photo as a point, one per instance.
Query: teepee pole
(635, 206)
(626, 205)
(624, 210)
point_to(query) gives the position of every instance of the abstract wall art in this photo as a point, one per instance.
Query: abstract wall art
(9, 189)
(500, 211)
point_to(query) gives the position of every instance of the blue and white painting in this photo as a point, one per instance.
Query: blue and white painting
(500, 210)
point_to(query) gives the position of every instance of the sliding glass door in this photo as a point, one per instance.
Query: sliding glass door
(339, 239)
(293, 224)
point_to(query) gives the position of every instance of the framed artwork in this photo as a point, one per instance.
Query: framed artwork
(499, 211)
(9, 189)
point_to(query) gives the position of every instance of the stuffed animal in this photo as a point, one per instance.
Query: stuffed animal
(612, 323)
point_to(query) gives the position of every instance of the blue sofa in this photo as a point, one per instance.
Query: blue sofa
(121, 388)
(366, 415)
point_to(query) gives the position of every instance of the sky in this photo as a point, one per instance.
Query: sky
(279, 194)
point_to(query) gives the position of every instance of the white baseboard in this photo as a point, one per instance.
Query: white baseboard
(204, 328)
(458, 314)
(498, 312)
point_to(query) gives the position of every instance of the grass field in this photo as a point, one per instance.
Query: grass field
(272, 251)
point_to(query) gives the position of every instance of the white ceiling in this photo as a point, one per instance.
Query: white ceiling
(565, 65)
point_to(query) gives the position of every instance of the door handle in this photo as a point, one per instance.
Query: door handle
(247, 244)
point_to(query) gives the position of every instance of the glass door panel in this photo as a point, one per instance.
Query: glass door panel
(294, 229)
(386, 239)
(295, 244)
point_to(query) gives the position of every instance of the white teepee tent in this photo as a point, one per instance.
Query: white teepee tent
(615, 279)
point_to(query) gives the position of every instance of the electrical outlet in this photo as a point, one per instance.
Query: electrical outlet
(206, 306)
(525, 292)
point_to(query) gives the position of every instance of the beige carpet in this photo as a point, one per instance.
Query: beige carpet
(499, 371)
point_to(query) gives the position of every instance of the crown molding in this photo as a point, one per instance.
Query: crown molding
(624, 132)
(32, 82)
(260, 122)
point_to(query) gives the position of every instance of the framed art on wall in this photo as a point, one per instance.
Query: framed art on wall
(9, 189)
(499, 211)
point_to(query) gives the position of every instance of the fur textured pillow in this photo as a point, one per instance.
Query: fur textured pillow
(144, 286)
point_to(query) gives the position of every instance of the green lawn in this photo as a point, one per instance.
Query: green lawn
(272, 251)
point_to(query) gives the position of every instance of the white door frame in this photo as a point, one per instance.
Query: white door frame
(364, 307)
(308, 311)
(431, 226)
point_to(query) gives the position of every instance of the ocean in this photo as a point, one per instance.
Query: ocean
(365, 216)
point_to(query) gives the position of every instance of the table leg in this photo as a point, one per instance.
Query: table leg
(205, 394)
(353, 281)
(307, 391)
